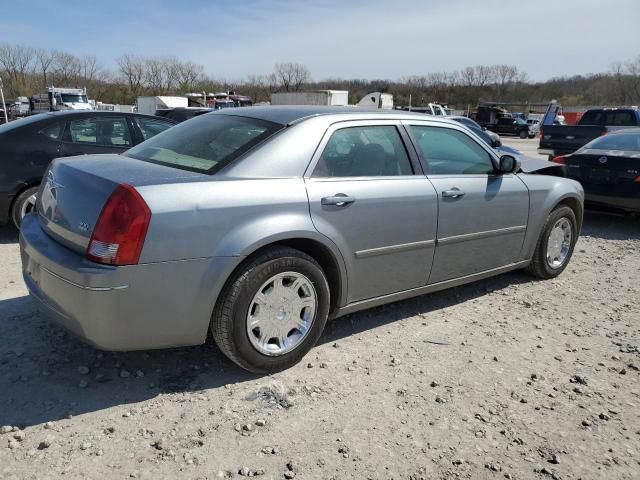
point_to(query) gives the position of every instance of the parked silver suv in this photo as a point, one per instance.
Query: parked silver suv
(258, 224)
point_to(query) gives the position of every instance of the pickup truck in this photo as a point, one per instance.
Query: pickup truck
(558, 140)
(511, 126)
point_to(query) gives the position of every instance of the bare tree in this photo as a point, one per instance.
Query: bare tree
(89, 68)
(188, 75)
(504, 76)
(18, 64)
(44, 59)
(290, 76)
(132, 70)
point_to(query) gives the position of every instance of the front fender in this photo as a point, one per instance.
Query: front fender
(545, 193)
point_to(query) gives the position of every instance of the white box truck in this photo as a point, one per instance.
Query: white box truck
(149, 105)
(316, 97)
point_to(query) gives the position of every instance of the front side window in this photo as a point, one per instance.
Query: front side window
(370, 151)
(100, 131)
(206, 143)
(450, 151)
(151, 127)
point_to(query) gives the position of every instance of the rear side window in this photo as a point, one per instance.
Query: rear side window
(372, 151)
(150, 127)
(626, 142)
(450, 151)
(52, 131)
(205, 144)
(104, 131)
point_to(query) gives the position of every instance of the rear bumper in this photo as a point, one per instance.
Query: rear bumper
(628, 204)
(136, 307)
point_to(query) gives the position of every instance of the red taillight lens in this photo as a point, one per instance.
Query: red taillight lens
(541, 132)
(637, 179)
(562, 160)
(121, 229)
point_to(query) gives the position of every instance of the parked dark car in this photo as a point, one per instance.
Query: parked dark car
(28, 145)
(180, 114)
(609, 170)
(511, 126)
(562, 139)
(490, 138)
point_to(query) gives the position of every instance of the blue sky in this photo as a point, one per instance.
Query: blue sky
(347, 39)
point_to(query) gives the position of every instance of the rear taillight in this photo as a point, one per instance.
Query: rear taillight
(562, 160)
(541, 133)
(637, 179)
(603, 132)
(121, 228)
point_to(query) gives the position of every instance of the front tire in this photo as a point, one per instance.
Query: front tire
(555, 245)
(523, 134)
(24, 203)
(272, 310)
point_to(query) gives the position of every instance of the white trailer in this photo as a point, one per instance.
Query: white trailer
(376, 100)
(149, 105)
(316, 97)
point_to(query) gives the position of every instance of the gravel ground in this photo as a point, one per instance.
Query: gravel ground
(504, 378)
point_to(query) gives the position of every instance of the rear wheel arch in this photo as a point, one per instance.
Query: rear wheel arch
(327, 258)
(23, 188)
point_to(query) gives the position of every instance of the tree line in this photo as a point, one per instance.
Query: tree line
(26, 70)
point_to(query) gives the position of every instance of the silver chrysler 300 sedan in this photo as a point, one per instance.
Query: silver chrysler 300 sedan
(260, 223)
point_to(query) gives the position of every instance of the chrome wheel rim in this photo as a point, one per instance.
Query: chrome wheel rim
(559, 243)
(28, 206)
(281, 313)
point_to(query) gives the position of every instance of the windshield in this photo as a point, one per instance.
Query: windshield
(626, 141)
(73, 98)
(204, 144)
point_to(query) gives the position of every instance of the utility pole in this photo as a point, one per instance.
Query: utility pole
(4, 107)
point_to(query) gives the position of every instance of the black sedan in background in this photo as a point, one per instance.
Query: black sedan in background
(490, 138)
(28, 145)
(609, 170)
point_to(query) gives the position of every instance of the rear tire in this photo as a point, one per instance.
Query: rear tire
(24, 203)
(549, 261)
(236, 306)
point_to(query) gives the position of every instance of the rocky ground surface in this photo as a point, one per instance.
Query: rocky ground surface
(505, 378)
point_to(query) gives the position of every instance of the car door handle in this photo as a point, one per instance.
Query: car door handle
(453, 193)
(339, 200)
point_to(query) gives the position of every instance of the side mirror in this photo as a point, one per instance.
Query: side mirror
(509, 164)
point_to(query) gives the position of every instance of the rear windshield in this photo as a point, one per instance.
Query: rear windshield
(204, 144)
(624, 141)
(624, 118)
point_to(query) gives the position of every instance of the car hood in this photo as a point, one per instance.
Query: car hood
(530, 164)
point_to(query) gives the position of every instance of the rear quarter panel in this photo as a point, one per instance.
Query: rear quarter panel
(229, 218)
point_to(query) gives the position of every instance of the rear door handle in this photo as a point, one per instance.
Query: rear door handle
(339, 200)
(453, 193)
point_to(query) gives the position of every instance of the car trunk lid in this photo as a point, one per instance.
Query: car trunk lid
(75, 190)
(606, 167)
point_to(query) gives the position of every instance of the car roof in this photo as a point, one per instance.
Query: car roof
(93, 113)
(290, 114)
